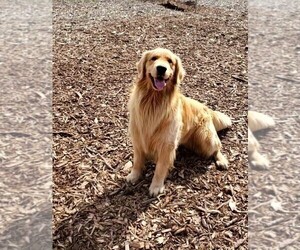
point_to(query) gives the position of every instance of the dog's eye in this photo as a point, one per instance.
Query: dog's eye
(170, 61)
(153, 58)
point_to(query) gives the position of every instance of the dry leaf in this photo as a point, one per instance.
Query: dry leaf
(232, 205)
(79, 95)
(276, 205)
(160, 240)
(181, 174)
(127, 245)
(228, 234)
(270, 234)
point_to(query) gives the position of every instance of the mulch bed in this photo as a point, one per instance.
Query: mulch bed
(96, 46)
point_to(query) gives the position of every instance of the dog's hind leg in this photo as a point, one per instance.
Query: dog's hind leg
(206, 142)
(256, 159)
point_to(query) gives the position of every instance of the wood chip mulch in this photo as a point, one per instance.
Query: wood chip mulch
(96, 46)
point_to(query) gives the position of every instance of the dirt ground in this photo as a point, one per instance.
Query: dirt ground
(96, 46)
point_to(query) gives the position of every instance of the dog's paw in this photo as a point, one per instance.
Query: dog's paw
(156, 189)
(261, 164)
(133, 177)
(222, 163)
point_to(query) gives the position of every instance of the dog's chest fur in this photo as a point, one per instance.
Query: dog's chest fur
(154, 123)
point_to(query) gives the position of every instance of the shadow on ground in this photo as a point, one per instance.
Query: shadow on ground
(112, 213)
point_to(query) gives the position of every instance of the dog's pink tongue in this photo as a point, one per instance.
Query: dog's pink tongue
(159, 84)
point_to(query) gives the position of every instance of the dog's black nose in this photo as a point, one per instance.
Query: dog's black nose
(161, 70)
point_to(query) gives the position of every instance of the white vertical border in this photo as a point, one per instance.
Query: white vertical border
(274, 74)
(26, 124)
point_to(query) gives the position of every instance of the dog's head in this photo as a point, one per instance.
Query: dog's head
(161, 68)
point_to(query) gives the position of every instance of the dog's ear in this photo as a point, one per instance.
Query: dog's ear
(141, 65)
(179, 71)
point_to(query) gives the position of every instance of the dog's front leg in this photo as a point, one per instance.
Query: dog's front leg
(165, 161)
(138, 165)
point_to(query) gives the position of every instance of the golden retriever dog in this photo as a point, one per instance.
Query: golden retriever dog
(161, 119)
(257, 121)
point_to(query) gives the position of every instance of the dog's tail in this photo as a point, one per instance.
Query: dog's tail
(258, 121)
(221, 121)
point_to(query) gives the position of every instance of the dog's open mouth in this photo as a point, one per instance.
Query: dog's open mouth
(159, 82)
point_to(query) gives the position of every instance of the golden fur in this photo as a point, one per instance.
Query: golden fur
(257, 121)
(161, 119)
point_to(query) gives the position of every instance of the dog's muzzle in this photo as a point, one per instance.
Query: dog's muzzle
(159, 82)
